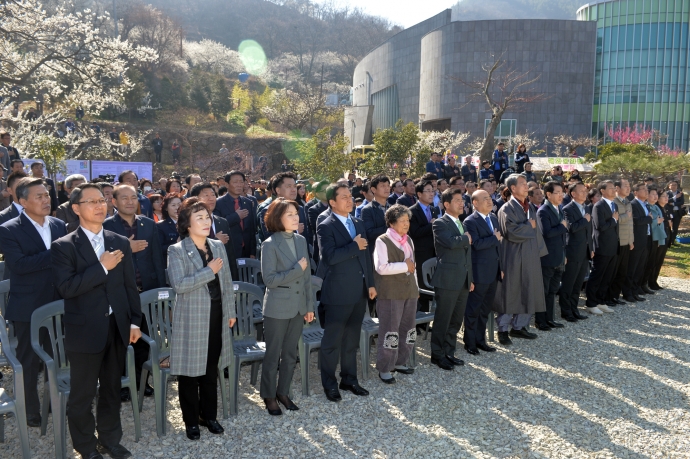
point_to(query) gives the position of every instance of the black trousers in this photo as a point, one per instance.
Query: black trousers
(649, 265)
(199, 394)
(677, 217)
(571, 283)
(450, 311)
(621, 274)
(158, 156)
(638, 259)
(340, 342)
(603, 267)
(141, 351)
(552, 281)
(479, 302)
(658, 262)
(31, 363)
(424, 300)
(87, 371)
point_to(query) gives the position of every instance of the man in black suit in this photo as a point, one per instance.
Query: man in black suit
(482, 226)
(452, 280)
(397, 192)
(642, 233)
(146, 256)
(284, 185)
(373, 214)
(424, 213)
(94, 273)
(605, 236)
(578, 252)
(37, 172)
(554, 228)
(313, 213)
(347, 284)
(676, 202)
(239, 211)
(14, 209)
(26, 244)
(220, 229)
(408, 199)
(64, 211)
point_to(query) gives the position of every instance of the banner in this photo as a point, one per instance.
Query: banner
(75, 166)
(567, 164)
(143, 170)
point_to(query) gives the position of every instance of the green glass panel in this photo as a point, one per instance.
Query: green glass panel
(623, 8)
(616, 8)
(616, 20)
(655, 6)
(655, 17)
(648, 6)
(662, 6)
(639, 6)
(645, 18)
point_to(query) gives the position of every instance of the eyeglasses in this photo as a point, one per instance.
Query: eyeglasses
(98, 202)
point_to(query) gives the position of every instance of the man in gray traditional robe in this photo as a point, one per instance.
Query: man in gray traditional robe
(521, 291)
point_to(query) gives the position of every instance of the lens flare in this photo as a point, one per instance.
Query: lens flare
(253, 57)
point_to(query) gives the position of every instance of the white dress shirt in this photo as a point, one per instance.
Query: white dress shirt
(43, 231)
(19, 207)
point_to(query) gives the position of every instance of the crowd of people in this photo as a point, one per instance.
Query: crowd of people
(508, 246)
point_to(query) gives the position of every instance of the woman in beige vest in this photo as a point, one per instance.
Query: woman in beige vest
(396, 302)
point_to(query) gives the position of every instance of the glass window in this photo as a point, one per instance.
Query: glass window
(653, 31)
(669, 35)
(643, 76)
(616, 8)
(620, 76)
(648, 6)
(607, 40)
(662, 6)
(624, 8)
(655, 6)
(662, 34)
(676, 35)
(629, 36)
(614, 38)
(667, 75)
(621, 60)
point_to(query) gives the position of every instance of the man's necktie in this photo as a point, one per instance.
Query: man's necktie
(488, 222)
(212, 234)
(427, 211)
(614, 207)
(350, 228)
(96, 243)
(237, 207)
(462, 230)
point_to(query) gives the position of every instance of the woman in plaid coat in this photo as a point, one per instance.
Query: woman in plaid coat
(203, 316)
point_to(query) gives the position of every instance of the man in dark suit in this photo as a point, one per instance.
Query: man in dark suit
(284, 185)
(64, 211)
(482, 226)
(37, 172)
(313, 213)
(676, 202)
(554, 228)
(14, 209)
(423, 215)
(347, 284)
(220, 229)
(94, 273)
(605, 236)
(578, 252)
(408, 199)
(131, 178)
(397, 192)
(452, 280)
(642, 233)
(239, 211)
(26, 244)
(146, 256)
(373, 214)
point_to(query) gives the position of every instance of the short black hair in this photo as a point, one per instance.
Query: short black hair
(429, 176)
(278, 179)
(13, 177)
(22, 191)
(455, 179)
(332, 191)
(15, 161)
(419, 188)
(78, 191)
(619, 182)
(35, 164)
(184, 214)
(550, 187)
(603, 184)
(229, 175)
(573, 186)
(407, 180)
(639, 186)
(447, 196)
(380, 178)
(199, 187)
(121, 177)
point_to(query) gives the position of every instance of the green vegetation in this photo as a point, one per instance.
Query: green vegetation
(677, 263)
(324, 156)
(638, 161)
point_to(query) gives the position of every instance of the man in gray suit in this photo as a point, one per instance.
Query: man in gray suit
(452, 279)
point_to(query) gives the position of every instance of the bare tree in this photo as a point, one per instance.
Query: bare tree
(503, 89)
(571, 143)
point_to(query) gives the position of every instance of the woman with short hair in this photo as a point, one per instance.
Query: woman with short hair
(203, 315)
(288, 301)
(397, 294)
(167, 228)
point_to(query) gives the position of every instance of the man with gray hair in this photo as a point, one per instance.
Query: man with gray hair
(64, 211)
(520, 292)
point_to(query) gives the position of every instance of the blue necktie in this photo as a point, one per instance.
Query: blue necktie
(614, 207)
(350, 228)
(488, 222)
(427, 211)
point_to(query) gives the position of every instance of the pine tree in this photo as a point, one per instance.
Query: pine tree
(220, 99)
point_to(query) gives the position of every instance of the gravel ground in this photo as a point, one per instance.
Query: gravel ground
(611, 386)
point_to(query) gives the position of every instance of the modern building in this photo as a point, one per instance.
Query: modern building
(642, 66)
(417, 76)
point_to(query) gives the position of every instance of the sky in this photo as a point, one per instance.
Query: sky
(402, 12)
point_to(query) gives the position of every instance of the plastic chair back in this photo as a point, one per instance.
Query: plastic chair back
(249, 270)
(428, 269)
(245, 297)
(157, 306)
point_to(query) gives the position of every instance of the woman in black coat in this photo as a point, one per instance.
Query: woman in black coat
(167, 228)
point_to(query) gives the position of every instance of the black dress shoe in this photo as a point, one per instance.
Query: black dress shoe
(116, 452)
(33, 420)
(579, 316)
(212, 425)
(333, 395)
(148, 390)
(124, 394)
(405, 371)
(504, 338)
(272, 407)
(647, 290)
(639, 298)
(0, 375)
(193, 432)
(92, 455)
(455, 361)
(618, 301)
(656, 287)
(287, 403)
(355, 389)
(630, 299)
(390, 380)
(443, 364)
(471, 350)
(569, 318)
(522, 333)
(485, 347)
(553, 324)
(542, 327)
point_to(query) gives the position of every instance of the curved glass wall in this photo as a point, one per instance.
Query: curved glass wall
(642, 74)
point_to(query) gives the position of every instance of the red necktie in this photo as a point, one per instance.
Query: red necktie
(237, 207)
